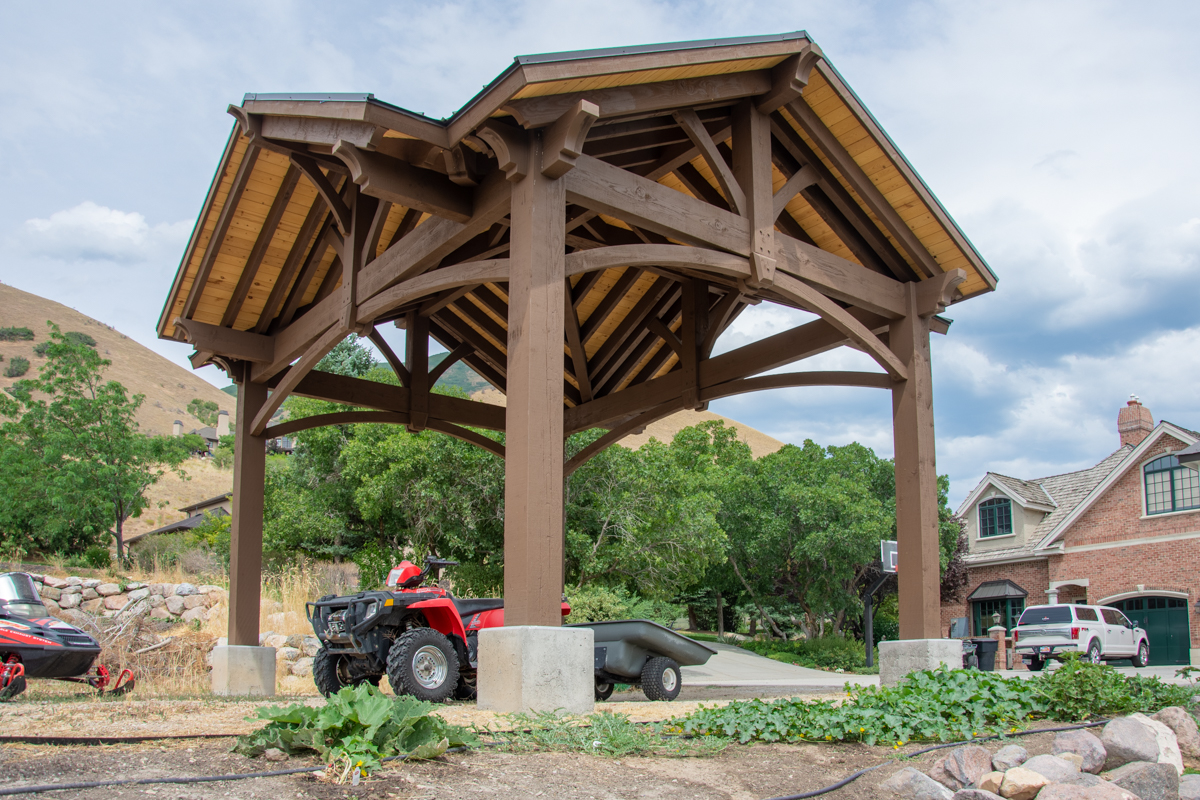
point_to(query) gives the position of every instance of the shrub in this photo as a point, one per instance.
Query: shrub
(203, 410)
(1079, 689)
(832, 652)
(41, 348)
(16, 335)
(75, 337)
(97, 557)
(374, 563)
(600, 603)
(17, 367)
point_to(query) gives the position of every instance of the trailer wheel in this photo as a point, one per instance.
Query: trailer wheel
(604, 690)
(660, 679)
(423, 663)
(332, 673)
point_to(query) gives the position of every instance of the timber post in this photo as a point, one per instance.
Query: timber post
(916, 477)
(533, 470)
(246, 530)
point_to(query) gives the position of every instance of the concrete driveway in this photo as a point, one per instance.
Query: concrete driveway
(733, 666)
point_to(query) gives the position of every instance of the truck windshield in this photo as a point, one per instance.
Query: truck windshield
(1040, 615)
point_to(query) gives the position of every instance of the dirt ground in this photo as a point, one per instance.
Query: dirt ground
(741, 772)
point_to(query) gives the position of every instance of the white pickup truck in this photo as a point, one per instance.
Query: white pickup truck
(1099, 632)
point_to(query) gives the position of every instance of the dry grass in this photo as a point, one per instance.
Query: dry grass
(172, 492)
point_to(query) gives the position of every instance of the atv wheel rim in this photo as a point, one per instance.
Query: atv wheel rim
(668, 679)
(430, 667)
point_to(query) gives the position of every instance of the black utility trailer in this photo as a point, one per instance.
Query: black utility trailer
(642, 653)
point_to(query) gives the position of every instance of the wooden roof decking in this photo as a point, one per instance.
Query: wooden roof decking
(266, 250)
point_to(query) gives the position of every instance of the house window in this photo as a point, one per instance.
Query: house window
(1170, 487)
(995, 517)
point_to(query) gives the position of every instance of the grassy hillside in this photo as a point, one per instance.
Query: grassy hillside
(172, 493)
(167, 386)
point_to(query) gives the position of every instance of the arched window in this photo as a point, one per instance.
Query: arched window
(995, 517)
(1170, 487)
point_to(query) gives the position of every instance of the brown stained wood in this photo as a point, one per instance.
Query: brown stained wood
(840, 278)
(363, 225)
(511, 147)
(250, 269)
(452, 358)
(409, 221)
(661, 255)
(609, 302)
(575, 345)
(533, 469)
(615, 342)
(795, 146)
(435, 239)
(695, 183)
(620, 432)
(691, 335)
(790, 227)
(371, 246)
(318, 350)
(609, 377)
(659, 329)
(379, 115)
(463, 332)
(789, 78)
(224, 219)
(646, 204)
(638, 142)
(480, 365)
(326, 239)
(443, 299)
(335, 418)
(645, 356)
(471, 273)
(217, 340)
(863, 186)
(390, 356)
(337, 206)
(672, 158)
(791, 380)
(477, 439)
(718, 320)
(328, 132)
(563, 141)
(416, 344)
(845, 230)
(642, 98)
(916, 478)
(802, 179)
(398, 182)
(584, 285)
(330, 282)
(291, 265)
(752, 166)
(489, 297)
(694, 128)
(246, 526)
(479, 320)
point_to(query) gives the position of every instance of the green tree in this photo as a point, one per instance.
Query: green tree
(203, 410)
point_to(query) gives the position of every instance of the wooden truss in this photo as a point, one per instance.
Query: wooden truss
(580, 235)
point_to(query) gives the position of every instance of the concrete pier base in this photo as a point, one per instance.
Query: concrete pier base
(898, 658)
(537, 668)
(243, 671)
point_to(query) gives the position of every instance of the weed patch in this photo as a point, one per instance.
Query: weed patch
(602, 734)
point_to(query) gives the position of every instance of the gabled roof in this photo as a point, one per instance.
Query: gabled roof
(1025, 493)
(205, 503)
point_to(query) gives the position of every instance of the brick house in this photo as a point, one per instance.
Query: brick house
(1124, 533)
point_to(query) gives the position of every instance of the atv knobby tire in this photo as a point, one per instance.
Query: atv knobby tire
(422, 663)
(332, 673)
(660, 679)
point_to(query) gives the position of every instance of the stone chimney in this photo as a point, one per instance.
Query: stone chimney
(1134, 422)
(177, 428)
(223, 423)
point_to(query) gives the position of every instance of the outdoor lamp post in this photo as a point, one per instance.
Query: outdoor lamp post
(995, 618)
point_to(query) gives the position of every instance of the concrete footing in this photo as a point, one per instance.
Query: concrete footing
(898, 658)
(239, 671)
(535, 668)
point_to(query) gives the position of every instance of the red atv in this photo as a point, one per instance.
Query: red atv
(424, 639)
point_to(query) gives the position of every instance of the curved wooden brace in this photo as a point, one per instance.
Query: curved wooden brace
(466, 434)
(336, 418)
(316, 351)
(662, 255)
(337, 207)
(472, 272)
(808, 297)
(789, 78)
(511, 147)
(563, 142)
(786, 380)
(620, 432)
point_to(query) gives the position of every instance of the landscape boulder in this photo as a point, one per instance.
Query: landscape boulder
(160, 613)
(1067, 791)
(304, 667)
(1189, 787)
(1022, 784)
(1126, 740)
(962, 767)
(195, 615)
(93, 606)
(276, 640)
(912, 784)
(70, 601)
(976, 794)
(1183, 725)
(295, 640)
(310, 645)
(1147, 780)
(53, 582)
(115, 602)
(1009, 756)
(991, 781)
(108, 589)
(194, 600)
(156, 600)
(186, 589)
(133, 586)
(51, 593)
(274, 754)
(1086, 745)
(89, 593)
(1053, 768)
(174, 605)
(51, 605)
(1168, 745)
(91, 583)
(139, 594)
(74, 580)
(287, 654)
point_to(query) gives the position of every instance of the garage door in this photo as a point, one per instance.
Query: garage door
(1165, 620)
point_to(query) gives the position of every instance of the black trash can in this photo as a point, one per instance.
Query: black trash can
(985, 651)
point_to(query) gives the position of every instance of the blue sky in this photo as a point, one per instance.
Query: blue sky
(1060, 135)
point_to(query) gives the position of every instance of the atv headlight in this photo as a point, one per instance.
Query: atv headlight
(372, 610)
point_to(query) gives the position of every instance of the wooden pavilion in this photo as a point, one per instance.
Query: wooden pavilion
(580, 234)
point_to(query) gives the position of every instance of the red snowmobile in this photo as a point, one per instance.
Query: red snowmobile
(34, 644)
(425, 640)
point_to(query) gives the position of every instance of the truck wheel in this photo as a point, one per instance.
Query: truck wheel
(1143, 654)
(1037, 665)
(660, 679)
(422, 663)
(603, 690)
(1093, 652)
(332, 673)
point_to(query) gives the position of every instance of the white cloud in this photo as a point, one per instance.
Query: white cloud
(90, 232)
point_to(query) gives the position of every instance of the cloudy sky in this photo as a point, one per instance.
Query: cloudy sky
(1060, 135)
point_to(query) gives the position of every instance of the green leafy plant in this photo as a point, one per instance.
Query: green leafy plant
(603, 734)
(356, 729)
(1079, 689)
(203, 410)
(833, 652)
(17, 366)
(97, 557)
(13, 334)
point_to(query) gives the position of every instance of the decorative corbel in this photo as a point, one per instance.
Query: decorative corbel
(511, 147)
(250, 124)
(934, 294)
(789, 79)
(563, 141)
(393, 180)
(461, 165)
